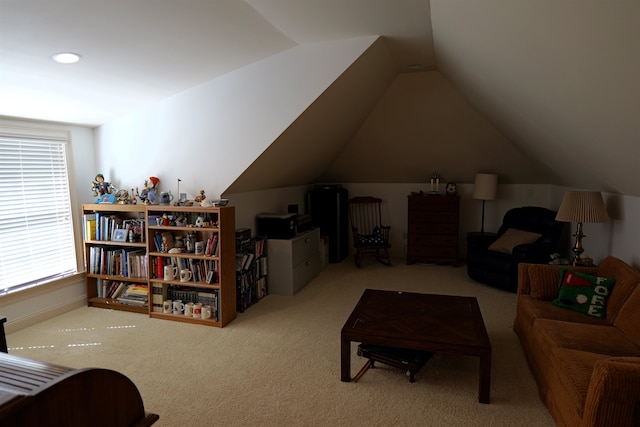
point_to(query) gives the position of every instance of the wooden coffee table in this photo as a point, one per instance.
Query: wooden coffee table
(437, 323)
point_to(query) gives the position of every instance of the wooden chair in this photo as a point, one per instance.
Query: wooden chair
(369, 235)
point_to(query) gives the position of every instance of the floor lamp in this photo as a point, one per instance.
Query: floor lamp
(486, 188)
(579, 207)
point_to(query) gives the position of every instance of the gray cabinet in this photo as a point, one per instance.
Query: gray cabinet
(293, 262)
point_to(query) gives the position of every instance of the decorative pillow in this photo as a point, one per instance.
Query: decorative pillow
(584, 293)
(512, 238)
(375, 238)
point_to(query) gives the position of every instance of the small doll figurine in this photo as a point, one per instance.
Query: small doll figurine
(100, 186)
(165, 245)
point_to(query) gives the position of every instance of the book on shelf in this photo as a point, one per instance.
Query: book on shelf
(89, 226)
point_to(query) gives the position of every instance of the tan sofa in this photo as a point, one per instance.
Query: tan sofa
(587, 369)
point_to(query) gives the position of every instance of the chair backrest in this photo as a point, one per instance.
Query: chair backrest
(536, 219)
(365, 214)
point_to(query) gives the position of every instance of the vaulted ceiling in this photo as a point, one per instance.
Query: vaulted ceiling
(552, 83)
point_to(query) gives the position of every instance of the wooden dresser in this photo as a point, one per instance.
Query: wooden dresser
(432, 235)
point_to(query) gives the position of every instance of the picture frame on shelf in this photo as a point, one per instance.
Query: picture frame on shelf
(119, 235)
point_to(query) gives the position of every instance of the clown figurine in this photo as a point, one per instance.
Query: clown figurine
(148, 194)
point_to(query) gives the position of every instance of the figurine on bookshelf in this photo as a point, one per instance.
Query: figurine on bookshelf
(148, 193)
(101, 187)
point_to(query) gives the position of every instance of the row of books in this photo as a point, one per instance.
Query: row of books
(97, 226)
(126, 293)
(205, 271)
(125, 262)
(165, 240)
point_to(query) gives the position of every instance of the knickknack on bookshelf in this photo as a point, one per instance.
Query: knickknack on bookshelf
(191, 264)
(115, 256)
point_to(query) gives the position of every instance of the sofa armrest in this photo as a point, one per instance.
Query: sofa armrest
(613, 397)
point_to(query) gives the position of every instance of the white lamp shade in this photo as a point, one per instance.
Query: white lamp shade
(486, 186)
(582, 206)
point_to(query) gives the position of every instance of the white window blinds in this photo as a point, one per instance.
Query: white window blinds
(36, 230)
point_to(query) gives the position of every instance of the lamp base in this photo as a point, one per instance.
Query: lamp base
(578, 249)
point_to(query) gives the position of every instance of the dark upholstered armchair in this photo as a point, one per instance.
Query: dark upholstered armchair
(527, 234)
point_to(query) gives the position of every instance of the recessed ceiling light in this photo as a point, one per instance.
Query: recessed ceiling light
(66, 57)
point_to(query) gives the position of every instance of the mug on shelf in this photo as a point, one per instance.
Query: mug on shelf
(170, 272)
(178, 306)
(188, 309)
(206, 311)
(185, 275)
(167, 305)
(165, 198)
(197, 310)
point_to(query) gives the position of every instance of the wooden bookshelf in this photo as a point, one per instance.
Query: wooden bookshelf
(213, 270)
(111, 264)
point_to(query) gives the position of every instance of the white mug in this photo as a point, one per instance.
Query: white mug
(188, 309)
(167, 306)
(185, 275)
(170, 272)
(206, 311)
(178, 306)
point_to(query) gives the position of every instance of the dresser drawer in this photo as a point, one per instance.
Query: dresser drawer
(305, 271)
(432, 240)
(304, 246)
(433, 203)
(433, 228)
(433, 252)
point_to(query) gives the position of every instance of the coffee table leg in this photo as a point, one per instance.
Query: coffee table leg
(345, 360)
(485, 378)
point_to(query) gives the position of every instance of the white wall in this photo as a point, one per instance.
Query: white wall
(207, 136)
(34, 305)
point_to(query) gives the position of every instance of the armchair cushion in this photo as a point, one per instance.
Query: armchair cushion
(512, 238)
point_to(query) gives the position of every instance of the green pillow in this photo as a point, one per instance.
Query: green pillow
(584, 293)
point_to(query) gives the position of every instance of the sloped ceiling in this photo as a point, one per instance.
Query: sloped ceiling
(553, 83)
(558, 78)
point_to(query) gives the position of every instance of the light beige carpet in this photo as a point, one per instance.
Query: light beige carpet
(278, 364)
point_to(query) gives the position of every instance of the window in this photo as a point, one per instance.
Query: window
(36, 228)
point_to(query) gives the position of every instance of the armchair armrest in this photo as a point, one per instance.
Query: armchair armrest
(532, 253)
(480, 242)
(613, 397)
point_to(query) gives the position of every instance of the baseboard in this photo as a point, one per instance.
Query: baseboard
(41, 316)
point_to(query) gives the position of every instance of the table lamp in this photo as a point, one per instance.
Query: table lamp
(579, 207)
(486, 188)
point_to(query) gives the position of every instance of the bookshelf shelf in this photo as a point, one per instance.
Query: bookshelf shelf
(114, 304)
(115, 268)
(212, 271)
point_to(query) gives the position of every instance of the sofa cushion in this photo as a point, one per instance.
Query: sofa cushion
(512, 238)
(580, 336)
(627, 280)
(584, 293)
